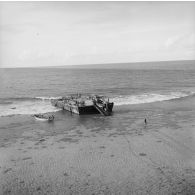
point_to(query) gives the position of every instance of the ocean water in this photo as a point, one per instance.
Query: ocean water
(25, 91)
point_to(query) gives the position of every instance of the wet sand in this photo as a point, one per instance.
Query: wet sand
(114, 155)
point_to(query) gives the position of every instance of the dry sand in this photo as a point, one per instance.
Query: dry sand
(157, 158)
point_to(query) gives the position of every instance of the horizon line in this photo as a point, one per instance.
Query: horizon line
(109, 63)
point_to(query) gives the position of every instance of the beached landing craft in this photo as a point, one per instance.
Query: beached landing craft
(79, 104)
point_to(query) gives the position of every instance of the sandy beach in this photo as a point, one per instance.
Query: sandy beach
(117, 155)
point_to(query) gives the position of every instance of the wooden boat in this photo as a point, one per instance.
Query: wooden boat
(79, 104)
(44, 117)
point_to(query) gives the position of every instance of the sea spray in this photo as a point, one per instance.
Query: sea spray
(148, 98)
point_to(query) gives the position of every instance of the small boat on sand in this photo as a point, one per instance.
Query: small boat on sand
(44, 117)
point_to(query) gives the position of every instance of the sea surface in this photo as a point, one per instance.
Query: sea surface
(26, 91)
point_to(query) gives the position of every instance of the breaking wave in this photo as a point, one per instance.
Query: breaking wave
(26, 105)
(148, 98)
(48, 98)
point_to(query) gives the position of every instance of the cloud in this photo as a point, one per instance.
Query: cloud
(62, 32)
(185, 41)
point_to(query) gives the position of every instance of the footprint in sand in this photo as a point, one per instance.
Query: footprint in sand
(42, 140)
(102, 147)
(142, 154)
(66, 174)
(61, 147)
(44, 146)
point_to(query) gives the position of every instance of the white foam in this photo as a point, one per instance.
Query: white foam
(43, 104)
(148, 98)
(47, 98)
(27, 107)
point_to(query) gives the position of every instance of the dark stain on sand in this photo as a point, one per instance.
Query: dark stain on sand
(27, 158)
(66, 174)
(142, 154)
(44, 146)
(102, 147)
(95, 130)
(61, 147)
(79, 132)
(7, 170)
(68, 139)
(40, 141)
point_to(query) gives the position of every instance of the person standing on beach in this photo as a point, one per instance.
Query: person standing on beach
(145, 121)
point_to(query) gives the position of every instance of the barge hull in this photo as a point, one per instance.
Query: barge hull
(93, 108)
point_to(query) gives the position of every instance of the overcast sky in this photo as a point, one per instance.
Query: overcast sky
(68, 33)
